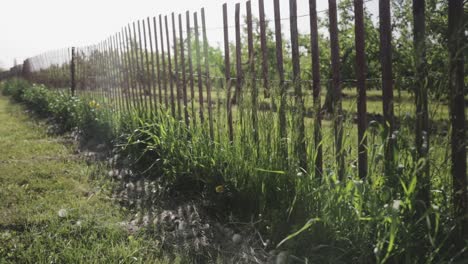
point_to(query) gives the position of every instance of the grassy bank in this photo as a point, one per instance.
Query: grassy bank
(53, 207)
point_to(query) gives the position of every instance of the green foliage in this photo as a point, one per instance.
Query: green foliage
(14, 88)
(63, 108)
(92, 120)
(38, 99)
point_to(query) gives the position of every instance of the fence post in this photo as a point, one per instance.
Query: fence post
(26, 69)
(457, 116)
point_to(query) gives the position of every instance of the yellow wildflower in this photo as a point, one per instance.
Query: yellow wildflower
(219, 188)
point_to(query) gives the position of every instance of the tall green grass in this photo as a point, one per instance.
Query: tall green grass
(322, 219)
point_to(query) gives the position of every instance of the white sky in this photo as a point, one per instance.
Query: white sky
(30, 27)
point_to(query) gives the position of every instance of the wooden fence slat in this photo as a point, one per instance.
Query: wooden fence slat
(72, 72)
(387, 81)
(100, 84)
(125, 93)
(148, 78)
(361, 86)
(207, 73)
(263, 47)
(158, 69)
(131, 64)
(153, 74)
(227, 72)
(422, 116)
(107, 75)
(114, 73)
(121, 71)
(253, 73)
(184, 77)
(163, 60)
(190, 65)
(299, 140)
(457, 41)
(316, 87)
(138, 88)
(144, 91)
(199, 72)
(239, 73)
(176, 69)
(336, 87)
(105, 95)
(282, 126)
(169, 68)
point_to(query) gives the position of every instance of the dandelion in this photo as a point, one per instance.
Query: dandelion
(92, 104)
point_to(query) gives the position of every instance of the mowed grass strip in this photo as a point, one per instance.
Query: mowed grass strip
(53, 207)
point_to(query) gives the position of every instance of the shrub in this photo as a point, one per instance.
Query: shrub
(94, 122)
(64, 109)
(37, 98)
(15, 88)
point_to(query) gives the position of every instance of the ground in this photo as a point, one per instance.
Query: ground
(54, 208)
(58, 207)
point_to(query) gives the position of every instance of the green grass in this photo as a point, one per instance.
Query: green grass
(323, 220)
(39, 176)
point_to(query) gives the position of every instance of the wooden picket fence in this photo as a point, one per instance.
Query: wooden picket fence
(147, 67)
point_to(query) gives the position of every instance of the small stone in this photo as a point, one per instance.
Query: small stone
(228, 231)
(62, 213)
(113, 173)
(181, 226)
(282, 257)
(236, 239)
(146, 220)
(101, 147)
